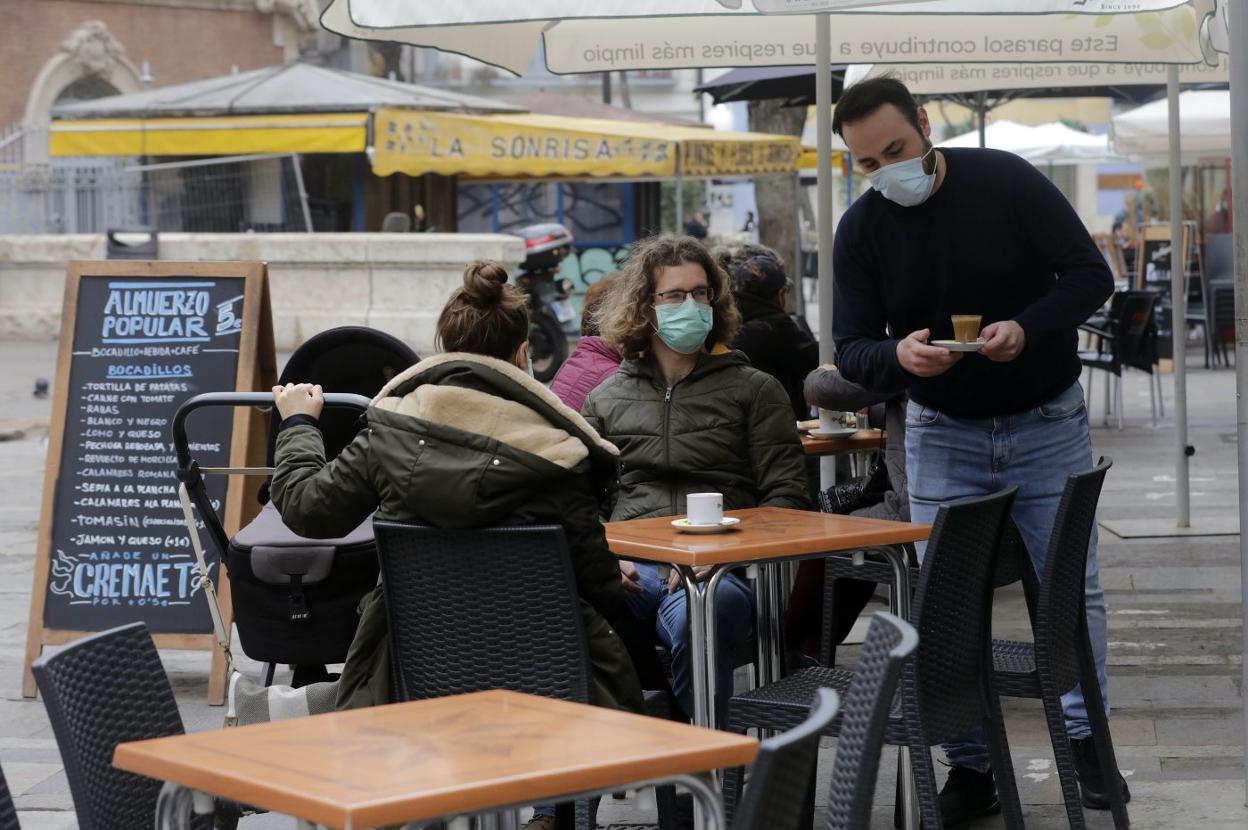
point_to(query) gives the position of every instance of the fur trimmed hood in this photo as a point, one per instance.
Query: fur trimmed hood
(495, 399)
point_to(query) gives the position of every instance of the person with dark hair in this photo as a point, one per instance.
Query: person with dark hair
(689, 415)
(750, 223)
(592, 361)
(730, 257)
(881, 494)
(698, 227)
(769, 336)
(982, 233)
(463, 439)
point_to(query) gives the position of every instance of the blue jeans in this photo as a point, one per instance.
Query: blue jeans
(734, 613)
(950, 458)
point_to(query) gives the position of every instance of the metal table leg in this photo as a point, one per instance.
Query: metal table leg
(711, 627)
(173, 807)
(708, 807)
(695, 595)
(769, 601)
(762, 631)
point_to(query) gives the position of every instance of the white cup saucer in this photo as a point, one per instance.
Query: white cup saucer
(686, 526)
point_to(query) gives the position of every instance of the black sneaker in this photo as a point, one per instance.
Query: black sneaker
(1092, 789)
(967, 795)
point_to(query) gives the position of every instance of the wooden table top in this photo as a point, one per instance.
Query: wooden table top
(425, 759)
(764, 533)
(860, 441)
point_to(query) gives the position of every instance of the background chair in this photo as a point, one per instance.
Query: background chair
(1214, 310)
(784, 771)
(947, 692)
(869, 703)
(396, 222)
(101, 691)
(1129, 340)
(476, 626)
(1219, 292)
(8, 813)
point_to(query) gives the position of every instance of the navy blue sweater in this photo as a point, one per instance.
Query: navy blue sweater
(997, 239)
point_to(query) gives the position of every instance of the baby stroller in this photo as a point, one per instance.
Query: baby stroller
(295, 599)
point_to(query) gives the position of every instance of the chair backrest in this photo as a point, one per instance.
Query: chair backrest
(1061, 623)
(868, 703)
(1014, 565)
(396, 222)
(8, 812)
(783, 771)
(101, 691)
(1222, 305)
(471, 610)
(1219, 258)
(952, 613)
(1135, 343)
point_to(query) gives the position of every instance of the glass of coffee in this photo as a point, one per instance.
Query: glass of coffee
(966, 327)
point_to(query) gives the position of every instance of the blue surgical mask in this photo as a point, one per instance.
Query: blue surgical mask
(684, 327)
(905, 182)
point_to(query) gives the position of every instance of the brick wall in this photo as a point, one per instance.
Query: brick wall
(180, 43)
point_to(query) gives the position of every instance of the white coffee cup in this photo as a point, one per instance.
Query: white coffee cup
(831, 420)
(705, 508)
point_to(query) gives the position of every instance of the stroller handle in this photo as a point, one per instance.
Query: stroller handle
(237, 399)
(188, 470)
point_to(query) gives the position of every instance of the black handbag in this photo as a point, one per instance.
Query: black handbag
(857, 493)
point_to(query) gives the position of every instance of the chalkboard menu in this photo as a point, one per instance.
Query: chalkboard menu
(1154, 271)
(138, 339)
(1155, 256)
(120, 549)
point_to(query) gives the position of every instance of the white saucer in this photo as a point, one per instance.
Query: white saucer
(843, 432)
(684, 526)
(959, 345)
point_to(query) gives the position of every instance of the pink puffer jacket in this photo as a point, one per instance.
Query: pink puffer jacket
(592, 362)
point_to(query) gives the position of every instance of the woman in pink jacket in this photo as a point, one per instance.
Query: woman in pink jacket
(593, 361)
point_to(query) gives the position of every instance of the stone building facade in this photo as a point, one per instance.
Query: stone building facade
(52, 51)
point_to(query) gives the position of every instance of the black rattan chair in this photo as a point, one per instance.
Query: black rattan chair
(101, 691)
(8, 812)
(947, 691)
(468, 624)
(869, 704)
(1213, 312)
(1129, 340)
(471, 625)
(1061, 655)
(784, 771)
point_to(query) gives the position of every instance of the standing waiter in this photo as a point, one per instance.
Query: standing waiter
(972, 232)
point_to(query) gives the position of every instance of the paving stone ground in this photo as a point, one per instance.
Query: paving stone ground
(1175, 627)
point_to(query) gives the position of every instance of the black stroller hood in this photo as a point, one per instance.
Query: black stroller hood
(351, 359)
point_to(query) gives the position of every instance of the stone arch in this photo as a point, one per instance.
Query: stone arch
(89, 58)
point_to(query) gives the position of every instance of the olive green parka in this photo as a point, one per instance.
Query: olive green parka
(459, 441)
(725, 428)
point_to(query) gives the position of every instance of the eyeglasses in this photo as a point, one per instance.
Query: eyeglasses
(700, 295)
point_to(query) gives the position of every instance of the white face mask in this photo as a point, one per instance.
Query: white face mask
(528, 362)
(905, 182)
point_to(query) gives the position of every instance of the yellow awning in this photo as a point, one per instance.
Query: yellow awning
(810, 158)
(216, 136)
(518, 146)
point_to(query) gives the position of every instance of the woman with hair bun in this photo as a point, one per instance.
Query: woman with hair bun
(431, 454)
